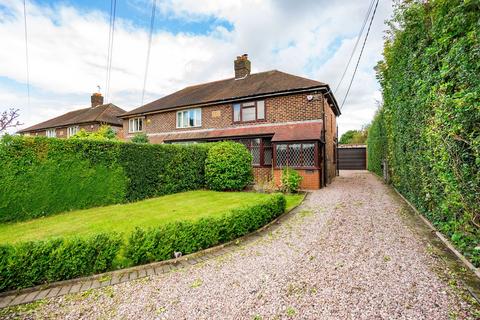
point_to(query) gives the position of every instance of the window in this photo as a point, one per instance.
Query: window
(135, 124)
(261, 150)
(296, 155)
(71, 131)
(189, 118)
(249, 111)
(51, 133)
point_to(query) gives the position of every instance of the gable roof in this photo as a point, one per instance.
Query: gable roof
(105, 113)
(256, 84)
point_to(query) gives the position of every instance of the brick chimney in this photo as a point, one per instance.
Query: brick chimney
(242, 66)
(96, 99)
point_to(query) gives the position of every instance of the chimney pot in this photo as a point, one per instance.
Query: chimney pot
(96, 99)
(242, 66)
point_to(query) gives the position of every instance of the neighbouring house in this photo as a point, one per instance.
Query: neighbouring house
(284, 120)
(89, 119)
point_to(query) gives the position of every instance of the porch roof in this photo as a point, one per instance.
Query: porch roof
(281, 132)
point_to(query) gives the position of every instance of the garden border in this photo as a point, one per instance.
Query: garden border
(60, 288)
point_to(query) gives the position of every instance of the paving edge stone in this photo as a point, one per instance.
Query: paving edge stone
(60, 288)
(475, 271)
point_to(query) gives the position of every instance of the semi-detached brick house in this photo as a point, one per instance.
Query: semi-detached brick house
(284, 120)
(89, 119)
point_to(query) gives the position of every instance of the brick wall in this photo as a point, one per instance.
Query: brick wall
(310, 178)
(294, 107)
(330, 138)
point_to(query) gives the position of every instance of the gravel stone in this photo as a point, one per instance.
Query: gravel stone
(347, 253)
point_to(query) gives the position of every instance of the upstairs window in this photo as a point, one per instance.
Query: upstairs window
(71, 131)
(51, 133)
(249, 111)
(135, 124)
(189, 118)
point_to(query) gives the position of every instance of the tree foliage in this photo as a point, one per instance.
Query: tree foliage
(429, 126)
(105, 132)
(354, 136)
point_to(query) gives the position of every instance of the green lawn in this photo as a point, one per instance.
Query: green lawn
(123, 218)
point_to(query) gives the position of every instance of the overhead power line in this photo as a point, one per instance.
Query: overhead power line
(370, 7)
(113, 8)
(152, 24)
(360, 55)
(26, 50)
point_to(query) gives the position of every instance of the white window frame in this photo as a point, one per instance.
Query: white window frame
(197, 118)
(134, 124)
(71, 131)
(51, 133)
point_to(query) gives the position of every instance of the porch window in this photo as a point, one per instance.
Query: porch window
(297, 155)
(261, 150)
(189, 118)
(249, 111)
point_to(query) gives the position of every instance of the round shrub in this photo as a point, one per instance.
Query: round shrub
(228, 167)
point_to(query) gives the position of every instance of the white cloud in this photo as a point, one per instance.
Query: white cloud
(68, 51)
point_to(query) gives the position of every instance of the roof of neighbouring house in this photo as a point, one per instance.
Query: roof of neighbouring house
(281, 132)
(105, 113)
(256, 84)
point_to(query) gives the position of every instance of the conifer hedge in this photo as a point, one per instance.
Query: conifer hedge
(41, 176)
(429, 126)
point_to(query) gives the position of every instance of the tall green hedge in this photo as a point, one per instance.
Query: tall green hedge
(431, 114)
(41, 176)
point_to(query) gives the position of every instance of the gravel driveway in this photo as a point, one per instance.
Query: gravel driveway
(347, 254)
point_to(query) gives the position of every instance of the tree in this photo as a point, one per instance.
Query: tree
(8, 119)
(105, 132)
(355, 136)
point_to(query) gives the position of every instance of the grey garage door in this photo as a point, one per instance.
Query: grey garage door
(352, 158)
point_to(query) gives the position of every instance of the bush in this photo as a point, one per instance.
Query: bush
(228, 167)
(42, 176)
(429, 123)
(159, 243)
(140, 138)
(33, 263)
(291, 180)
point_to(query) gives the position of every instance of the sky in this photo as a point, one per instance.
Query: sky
(193, 42)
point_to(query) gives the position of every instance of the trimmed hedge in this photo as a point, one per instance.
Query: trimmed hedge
(159, 243)
(41, 176)
(38, 262)
(428, 128)
(228, 167)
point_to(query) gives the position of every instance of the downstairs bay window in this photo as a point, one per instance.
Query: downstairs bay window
(296, 155)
